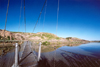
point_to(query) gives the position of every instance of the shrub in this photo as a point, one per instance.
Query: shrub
(42, 37)
(57, 38)
(12, 38)
(46, 43)
(68, 38)
(8, 37)
(0, 37)
(22, 37)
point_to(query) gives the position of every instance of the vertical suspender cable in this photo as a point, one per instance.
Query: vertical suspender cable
(20, 16)
(44, 16)
(5, 23)
(57, 17)
(24, 18)
(19, 21)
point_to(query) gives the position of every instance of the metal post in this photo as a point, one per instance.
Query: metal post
(39, 51)
(16, 55)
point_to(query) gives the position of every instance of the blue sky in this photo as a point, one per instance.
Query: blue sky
(77, 18)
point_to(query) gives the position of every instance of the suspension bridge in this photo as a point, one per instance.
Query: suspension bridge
(26, 55)
(23, 56)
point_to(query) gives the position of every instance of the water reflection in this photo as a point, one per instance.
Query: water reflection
(50, 48)
(90, 49)
(6, 49)
(85, 55)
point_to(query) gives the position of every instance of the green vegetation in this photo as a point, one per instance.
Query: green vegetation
(57, 38)
(37, 35)
(42, 37)
(8, 37)
(46, 43)
(68, 38)
(16, 32)
(12, 38)
(1, 37)
(22, 37)
(49, 36)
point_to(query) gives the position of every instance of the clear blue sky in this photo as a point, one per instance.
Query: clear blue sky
(77, 18)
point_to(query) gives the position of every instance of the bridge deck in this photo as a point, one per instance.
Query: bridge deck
(28, 58)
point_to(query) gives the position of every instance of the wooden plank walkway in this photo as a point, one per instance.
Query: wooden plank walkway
(28, 58)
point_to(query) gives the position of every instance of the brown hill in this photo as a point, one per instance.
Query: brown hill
(37, 36)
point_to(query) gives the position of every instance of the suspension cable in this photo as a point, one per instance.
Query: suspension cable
(44, 16)
(5, 25)
(39, 21)
(39, 15)
(57, 17)
(20, 16)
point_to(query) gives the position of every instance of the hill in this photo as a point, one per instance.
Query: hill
(40, 36)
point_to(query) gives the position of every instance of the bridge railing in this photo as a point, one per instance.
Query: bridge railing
(36, 46)
(22, 47)
(16, 59)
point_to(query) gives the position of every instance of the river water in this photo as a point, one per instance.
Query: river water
(84, 55)
(90, 49)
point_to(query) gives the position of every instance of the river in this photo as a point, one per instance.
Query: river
(84, 55)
